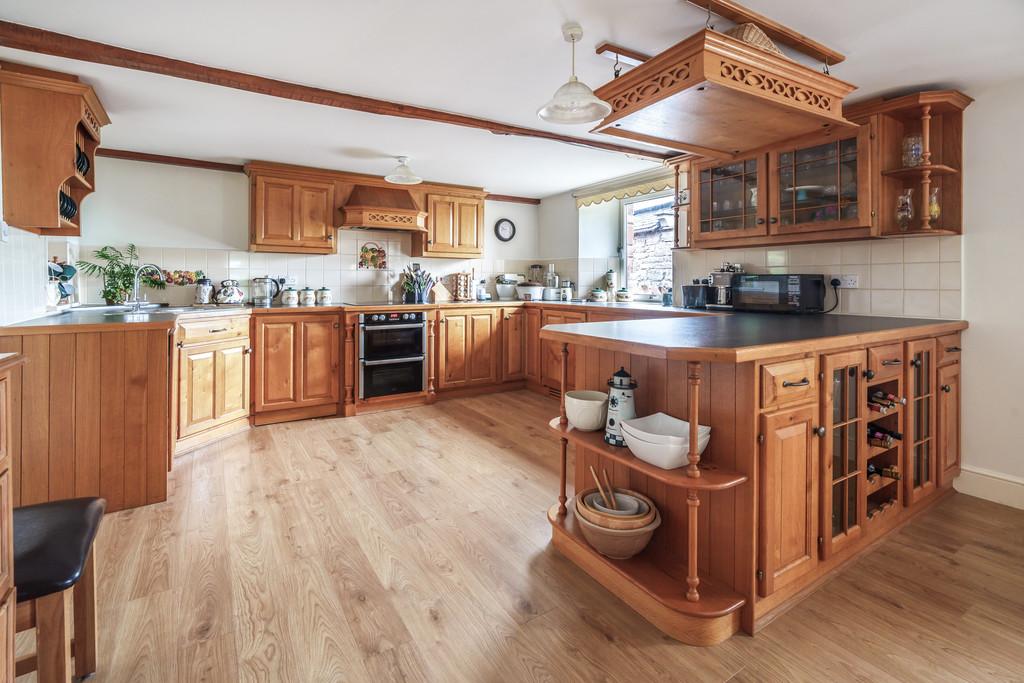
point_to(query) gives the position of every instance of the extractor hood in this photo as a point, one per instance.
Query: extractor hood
(716, 96)
(382, 208)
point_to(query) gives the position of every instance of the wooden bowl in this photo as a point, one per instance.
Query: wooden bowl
(618, 544)
(616, 522)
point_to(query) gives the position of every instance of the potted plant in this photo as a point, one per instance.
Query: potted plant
(117, 269)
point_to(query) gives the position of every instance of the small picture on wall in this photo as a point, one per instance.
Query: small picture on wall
(372, 256)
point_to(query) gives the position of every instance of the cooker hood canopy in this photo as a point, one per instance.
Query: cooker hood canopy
(716, 96)
(382, 208)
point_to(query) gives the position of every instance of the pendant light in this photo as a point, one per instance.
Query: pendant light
(574, 102)
(403, 175)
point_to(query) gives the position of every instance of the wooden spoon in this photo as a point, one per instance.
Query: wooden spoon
(600, 488)
(611, 489)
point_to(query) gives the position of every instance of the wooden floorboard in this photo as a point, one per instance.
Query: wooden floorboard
(413, 545)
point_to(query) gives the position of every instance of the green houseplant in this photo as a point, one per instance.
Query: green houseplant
(117, 268)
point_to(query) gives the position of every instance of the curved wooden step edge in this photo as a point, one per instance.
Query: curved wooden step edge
(657, 597)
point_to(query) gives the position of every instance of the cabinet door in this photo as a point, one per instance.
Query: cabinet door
(314, 220)
(843, 449)
(6, 534)
(318, 360)
(274, 212)
(513, 326)
(823, 186)
(533, 350)
(919, 437)
(482, 366)
(728, 201)
(197, 405)
(231, 387)
(469, 226)
(788, 498)
(949, 424)
(7, 610)
(5, 421)
(454, 349)
(551, 352)
(277, 349)
(441, 222)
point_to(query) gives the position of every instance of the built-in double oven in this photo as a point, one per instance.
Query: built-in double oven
(392, 353)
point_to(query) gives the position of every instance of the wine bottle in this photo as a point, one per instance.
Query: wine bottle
(882, 432)
(881, 443)
(884, 471)
(878, 408)
(885, 396)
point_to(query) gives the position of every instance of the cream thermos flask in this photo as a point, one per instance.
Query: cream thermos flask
(620, 406)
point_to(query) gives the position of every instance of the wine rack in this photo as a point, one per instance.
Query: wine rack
(884, 495)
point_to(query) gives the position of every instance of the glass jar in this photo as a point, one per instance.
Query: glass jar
(934, 206)
(905, 209)
(912, 150)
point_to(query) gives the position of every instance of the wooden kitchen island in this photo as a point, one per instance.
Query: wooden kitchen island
(782, 496)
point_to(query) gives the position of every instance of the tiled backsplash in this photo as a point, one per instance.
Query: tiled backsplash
(22, 276)
(914, 276)
(338, 271)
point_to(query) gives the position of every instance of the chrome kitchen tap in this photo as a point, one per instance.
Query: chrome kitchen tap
(136, 303)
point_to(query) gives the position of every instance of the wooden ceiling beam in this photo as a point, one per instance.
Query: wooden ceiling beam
(737, 13)
(32, 39)
(172, 161)
(511, 198)
(623, 54)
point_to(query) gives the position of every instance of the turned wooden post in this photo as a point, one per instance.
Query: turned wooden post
(926, 159)
(692, 580)
(693, 377)
(563, 420)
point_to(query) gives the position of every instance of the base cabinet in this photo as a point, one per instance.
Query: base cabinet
(8, 598)
(948, 424)
(788, 497)
(551, 352)
(213, 385)
(468, 348)
(513, 347)
(533, 344)
(297, 360)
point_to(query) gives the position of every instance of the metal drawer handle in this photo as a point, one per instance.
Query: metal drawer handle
(894, 361)
(952, 349)
(219, 329)
(392, 361)
(802, 383)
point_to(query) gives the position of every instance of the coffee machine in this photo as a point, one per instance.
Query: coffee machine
(720, 294)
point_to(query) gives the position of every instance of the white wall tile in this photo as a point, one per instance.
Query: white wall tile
(886, 302)
(856, 253)
(950, 275)
(921, 250)
(950, 304)
(921, 276)
(950, 248)
(887, 251)
(856, 301)
(776, 257)
(238, 259)
(887, 276)
(921, 303)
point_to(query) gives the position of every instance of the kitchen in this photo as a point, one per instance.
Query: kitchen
(327, 426)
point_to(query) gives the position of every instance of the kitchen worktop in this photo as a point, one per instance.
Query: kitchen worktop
(741, 337)
(84, 317)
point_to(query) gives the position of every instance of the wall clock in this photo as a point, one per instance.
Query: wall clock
(504, 230)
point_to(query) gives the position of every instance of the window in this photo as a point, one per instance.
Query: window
(648, 235)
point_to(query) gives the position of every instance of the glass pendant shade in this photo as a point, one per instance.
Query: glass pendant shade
(403, 175)
(574, 102)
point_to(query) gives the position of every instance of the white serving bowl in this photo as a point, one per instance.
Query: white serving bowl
(586, 410)
(662, 428)
(506, 292)
(703, 439)
(665, 456)
(628, 505)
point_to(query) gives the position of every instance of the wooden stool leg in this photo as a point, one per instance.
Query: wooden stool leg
(85, 620)
(53, 637)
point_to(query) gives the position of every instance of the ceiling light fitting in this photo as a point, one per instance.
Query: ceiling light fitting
(403, 175)
(574, 102)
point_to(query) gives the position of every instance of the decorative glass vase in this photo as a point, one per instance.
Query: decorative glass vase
(905, 209)
(934, 206)
(912, 150)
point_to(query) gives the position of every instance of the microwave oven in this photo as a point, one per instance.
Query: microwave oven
(778, 293)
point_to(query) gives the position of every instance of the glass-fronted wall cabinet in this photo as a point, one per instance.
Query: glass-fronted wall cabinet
(920, 423)
(729, 200)
(820, 186)
(843, 449)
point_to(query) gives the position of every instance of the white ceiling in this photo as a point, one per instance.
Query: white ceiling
(488, 58)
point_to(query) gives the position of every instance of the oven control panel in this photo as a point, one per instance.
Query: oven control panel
(393, 317)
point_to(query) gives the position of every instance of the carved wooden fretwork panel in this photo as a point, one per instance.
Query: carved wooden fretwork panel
(390, 218)
(776, 86)
(652, 87)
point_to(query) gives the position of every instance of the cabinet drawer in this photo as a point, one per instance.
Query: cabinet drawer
(949, 348)
(788, 382)
(212, 329)
(885, 361)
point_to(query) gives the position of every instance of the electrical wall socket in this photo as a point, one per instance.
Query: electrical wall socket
(287, 281)
(849, 281)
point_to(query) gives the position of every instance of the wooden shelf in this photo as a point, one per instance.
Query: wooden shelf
(875, 451)
(715, 600)
(711, 479)
(78, 180)
(913, 171)
(877, 483)
(919, 232)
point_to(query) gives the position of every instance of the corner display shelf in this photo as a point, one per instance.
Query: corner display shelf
(696, 611)
(49, 132)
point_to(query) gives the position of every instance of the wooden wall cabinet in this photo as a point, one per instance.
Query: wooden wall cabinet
(49, 131)
(788, 497)
(296, 361)
(513, 347)
(468, 348)
(291, 215)
(455, 227)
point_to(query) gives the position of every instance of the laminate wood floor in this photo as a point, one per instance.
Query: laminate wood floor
(413, 545)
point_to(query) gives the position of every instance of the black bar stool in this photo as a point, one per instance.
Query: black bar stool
(54, 575)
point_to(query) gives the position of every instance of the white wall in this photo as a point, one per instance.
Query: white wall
(600, 228)
(195, 219)
(993, 251)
